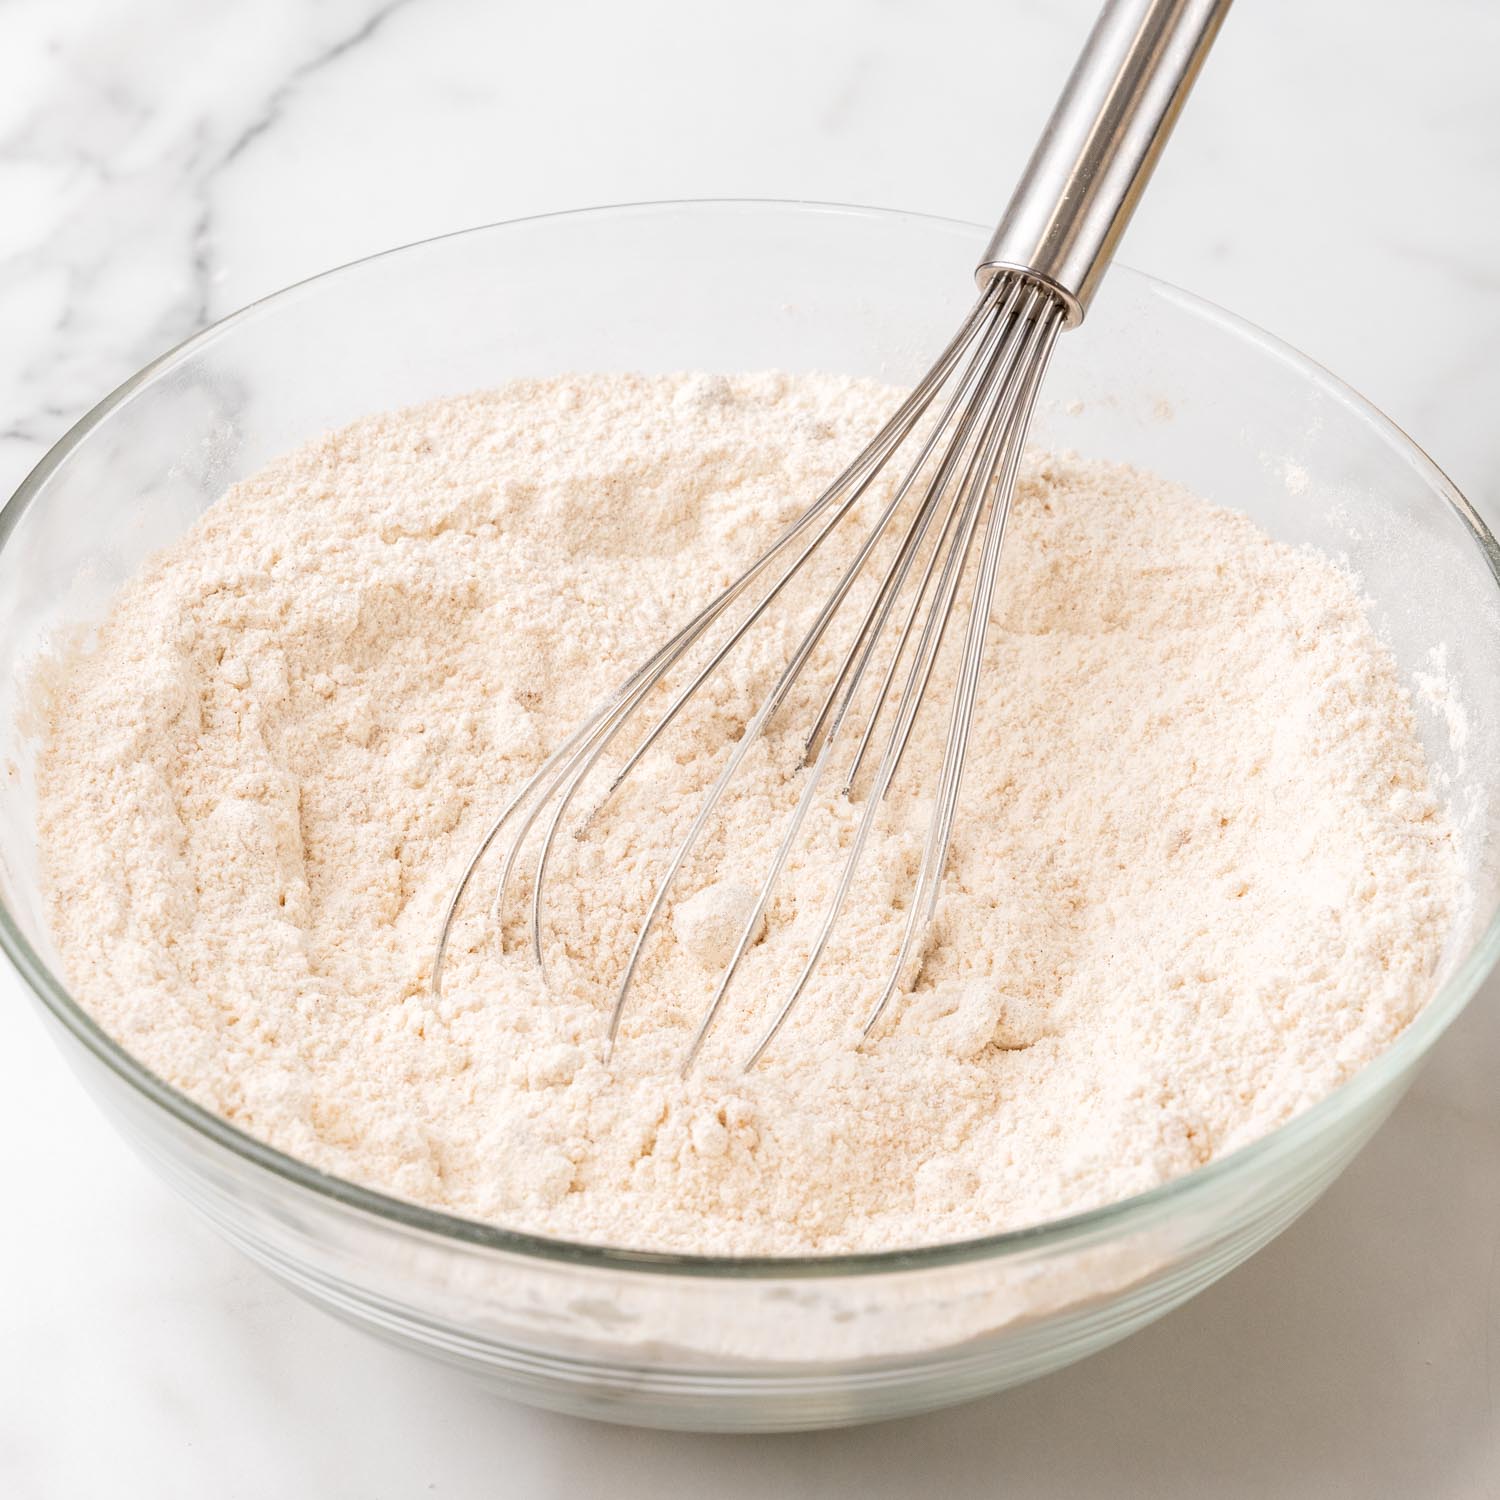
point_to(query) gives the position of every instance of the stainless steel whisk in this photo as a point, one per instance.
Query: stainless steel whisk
(1038, 276)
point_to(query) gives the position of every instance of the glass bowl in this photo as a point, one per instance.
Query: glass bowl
(1154, 377)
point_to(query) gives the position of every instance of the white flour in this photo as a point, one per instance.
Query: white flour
(1199, 877)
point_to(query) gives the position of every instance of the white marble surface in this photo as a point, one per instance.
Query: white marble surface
(1337, 178)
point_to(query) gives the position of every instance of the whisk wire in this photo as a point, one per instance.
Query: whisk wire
(1000, 410)
(972, 449)
(923, 905)
(878, 612)
(992, 347)
(640, 682)
(994, 364)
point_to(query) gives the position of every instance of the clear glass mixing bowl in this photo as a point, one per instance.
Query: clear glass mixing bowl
(1154, 377)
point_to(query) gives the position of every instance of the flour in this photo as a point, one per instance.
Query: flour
(1199, 876)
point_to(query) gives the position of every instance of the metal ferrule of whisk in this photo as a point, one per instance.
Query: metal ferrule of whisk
(956, 442)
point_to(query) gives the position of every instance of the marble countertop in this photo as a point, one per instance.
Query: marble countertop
(164, 161)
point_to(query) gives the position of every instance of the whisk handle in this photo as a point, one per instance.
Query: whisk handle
(1099, 148)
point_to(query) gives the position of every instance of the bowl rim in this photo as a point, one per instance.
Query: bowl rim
(1073, 1229)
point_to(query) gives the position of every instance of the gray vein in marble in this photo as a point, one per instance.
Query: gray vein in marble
(131, 224)
(299, 75)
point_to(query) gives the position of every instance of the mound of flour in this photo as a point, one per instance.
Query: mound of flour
(1199, 877)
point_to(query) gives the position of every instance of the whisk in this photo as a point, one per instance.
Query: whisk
(1037, 277)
